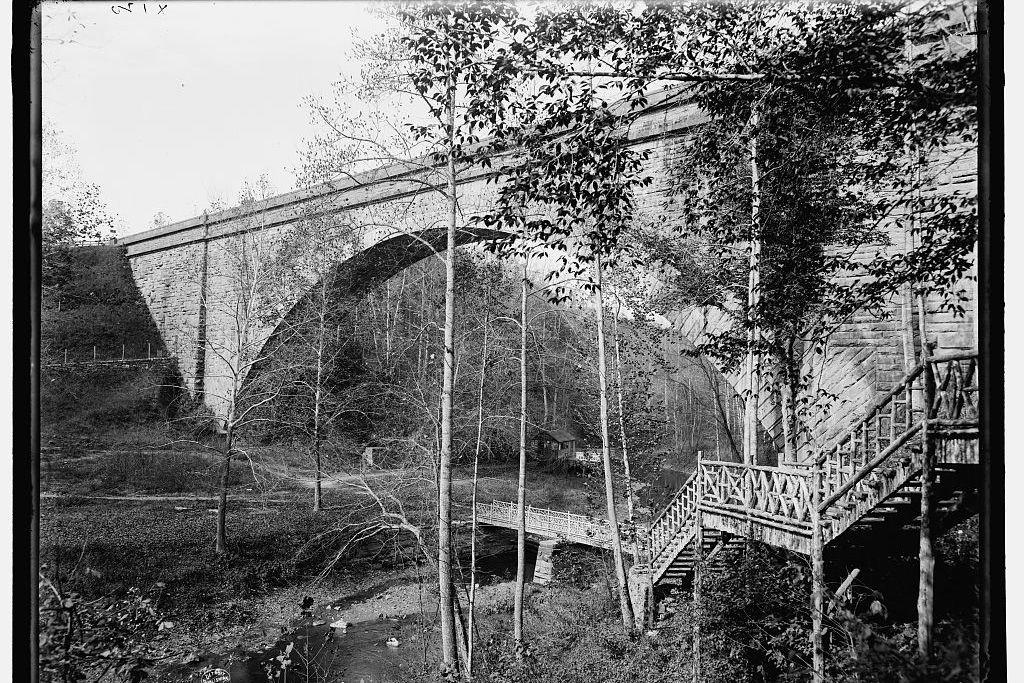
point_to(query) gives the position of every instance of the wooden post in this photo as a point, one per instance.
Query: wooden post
(753, 358)
(122, 351)
(817, 578)
(698, 575)
(149, 349)
(94, 352)
(65, 356)
(926, 584)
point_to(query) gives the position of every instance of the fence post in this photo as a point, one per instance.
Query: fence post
(698, 574)
(149, 350)
(122, 351)
(65, 356)
(94, 352)
(925, 590)
(817, 578)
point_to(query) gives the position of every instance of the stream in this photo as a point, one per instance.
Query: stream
(359, 653)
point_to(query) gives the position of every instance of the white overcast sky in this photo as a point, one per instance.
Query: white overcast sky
(170, 110)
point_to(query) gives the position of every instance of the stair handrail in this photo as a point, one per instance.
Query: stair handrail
(913, 427)
(903, 385)
(654, 539)
(868, 467)
(689, 480)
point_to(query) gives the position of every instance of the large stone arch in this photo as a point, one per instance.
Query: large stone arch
(358, 270)
(389, 254)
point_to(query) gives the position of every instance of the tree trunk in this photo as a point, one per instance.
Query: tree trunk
(517, 618)
(449, 653)
(222, 504)
(318, 398)
(461, 639)
(788, 438)
(753, 361)
(907, 309)
(609, 486)
(789, 390)
(622, 423)
(922, 322)
(698, 577)
(473, 528)
(318, 498)
(317, 462)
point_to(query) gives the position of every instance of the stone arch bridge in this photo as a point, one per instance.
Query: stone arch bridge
(392, 217)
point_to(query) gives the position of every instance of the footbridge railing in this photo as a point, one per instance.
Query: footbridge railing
(584, 529)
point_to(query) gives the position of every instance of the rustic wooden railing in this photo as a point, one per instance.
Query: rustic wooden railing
(775, 495)
(894, 423)
(955, 396)
(677, 515)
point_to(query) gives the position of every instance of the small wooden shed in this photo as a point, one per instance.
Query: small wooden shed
(556, 444)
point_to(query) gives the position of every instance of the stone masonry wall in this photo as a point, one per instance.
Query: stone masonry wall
(863, 358)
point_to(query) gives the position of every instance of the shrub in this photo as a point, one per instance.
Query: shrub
(578, 567)
(79, 639)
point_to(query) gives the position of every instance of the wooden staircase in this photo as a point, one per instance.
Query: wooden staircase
(869, 479)
(869, 484)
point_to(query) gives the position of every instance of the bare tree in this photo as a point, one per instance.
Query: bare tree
(315, 350)
(237, 303)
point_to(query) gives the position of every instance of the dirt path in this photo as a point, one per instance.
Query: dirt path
(235, 498)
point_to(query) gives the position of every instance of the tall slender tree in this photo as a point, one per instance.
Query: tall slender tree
(448, 46)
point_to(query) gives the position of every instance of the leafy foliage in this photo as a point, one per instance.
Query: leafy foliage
(80, 639)
(96, 304)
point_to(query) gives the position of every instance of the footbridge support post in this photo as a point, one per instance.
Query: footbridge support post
(926, 556)
(640, 594)
(698, 573)
(543, 568)
(817, 578)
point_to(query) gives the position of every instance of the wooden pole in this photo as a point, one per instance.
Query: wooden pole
(122, 351)
(149, 349)
(926, 584)
(94, 352)
(65, 356)
(753, 360)
(698, 575)
(845, 585)
(817, 578)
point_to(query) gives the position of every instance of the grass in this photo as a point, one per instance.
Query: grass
(103, 547)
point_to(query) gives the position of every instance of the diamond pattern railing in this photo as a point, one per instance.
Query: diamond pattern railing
(771, 493)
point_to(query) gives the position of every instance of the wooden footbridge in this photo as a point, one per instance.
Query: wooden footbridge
(912, 456)
(553, 524)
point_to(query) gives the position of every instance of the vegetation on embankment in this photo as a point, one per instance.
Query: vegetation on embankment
(92, 301)
(755, 626)
(108, 405)
(93, 307)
